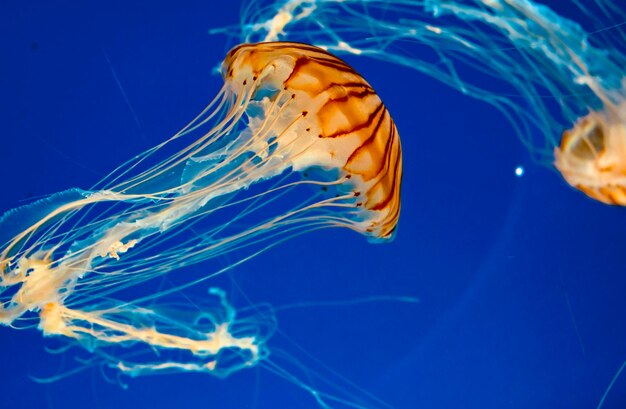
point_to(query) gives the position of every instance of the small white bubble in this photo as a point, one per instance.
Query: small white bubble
(519, 171)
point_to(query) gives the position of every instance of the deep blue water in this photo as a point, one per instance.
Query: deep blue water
(520, 279)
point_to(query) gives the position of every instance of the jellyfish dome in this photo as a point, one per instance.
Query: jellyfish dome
(295, 141)
(562, 85)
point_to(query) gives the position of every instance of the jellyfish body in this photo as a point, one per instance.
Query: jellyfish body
(561, 85)
(592, 155)
(227, 183)
(349, 127)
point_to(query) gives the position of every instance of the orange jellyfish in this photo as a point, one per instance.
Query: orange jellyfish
(295, 141)
(562, 85)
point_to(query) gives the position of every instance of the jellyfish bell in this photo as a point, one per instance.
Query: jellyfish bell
(227, 183)
(592, 156)
(561, 84)
(341, 123)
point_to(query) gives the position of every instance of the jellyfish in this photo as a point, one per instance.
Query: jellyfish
(561, 85)
(295, 141)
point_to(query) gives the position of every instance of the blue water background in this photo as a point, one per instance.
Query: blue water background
(521, 281)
